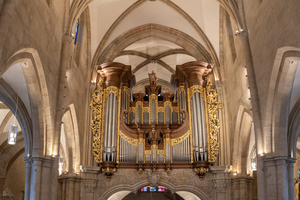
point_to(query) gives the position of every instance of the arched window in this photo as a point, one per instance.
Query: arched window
(76, 32)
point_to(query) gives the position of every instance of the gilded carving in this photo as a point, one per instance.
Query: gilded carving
(131, 141)
(213, 121)
(97, 123)
(180, 139)
(112, 89)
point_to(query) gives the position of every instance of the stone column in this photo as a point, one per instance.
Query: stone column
(2, 181)
(235, 189)
(64, 186)
(59, 190)
(221, 182)
(282, 178)
(46, 179)
(290, 169)
(259, 140)
(28, 179)
(77, 189)
(36, 175)
(249, 183)
(269, 173)
(243, 189)
(64, 64)
(70, 192)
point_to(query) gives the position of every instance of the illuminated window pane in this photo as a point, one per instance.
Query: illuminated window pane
(152, 189)
(161, 189)
(76, 32)
(144, 189)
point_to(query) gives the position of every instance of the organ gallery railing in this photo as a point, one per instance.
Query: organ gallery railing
(153, 130)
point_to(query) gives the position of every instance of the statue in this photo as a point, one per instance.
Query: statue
(152, 78)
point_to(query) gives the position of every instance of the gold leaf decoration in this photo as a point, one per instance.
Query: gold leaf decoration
(180, 139)
(97, 122)
(213, 121)
(131, 141)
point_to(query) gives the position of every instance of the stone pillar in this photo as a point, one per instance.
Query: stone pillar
(235, 189)
(259, 140)
(77, 189)
(28, 179)
(64, 187)
(282, 178)
(36, 173)
(46, 179)
(2, 181)
(269, 172)
(243, 189)
(59, 190)
(254, 186)
(249, 185)
(70, 192)
(221, 182)
(290, 169)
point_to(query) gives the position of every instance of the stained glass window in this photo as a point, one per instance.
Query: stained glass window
(144, 189)
(161, 189)
(76, 33)
(152, 189)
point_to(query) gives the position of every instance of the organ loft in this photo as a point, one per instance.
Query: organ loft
(155, 130)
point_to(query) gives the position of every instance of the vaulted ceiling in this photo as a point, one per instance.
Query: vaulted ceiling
(183, 31)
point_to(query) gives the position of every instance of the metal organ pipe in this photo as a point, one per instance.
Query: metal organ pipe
(110, 125)
(113, 126)
(203, 122)
(199, 125)
(107, 102)
(195, 125)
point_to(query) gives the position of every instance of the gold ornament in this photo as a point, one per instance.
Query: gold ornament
(98, 120)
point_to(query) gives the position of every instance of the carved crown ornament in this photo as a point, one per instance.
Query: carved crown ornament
(163, 128)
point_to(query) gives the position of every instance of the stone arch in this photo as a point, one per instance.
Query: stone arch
(276, 127)
(9, 98)
(42, 120)
(241, 140)
(134, 188)
(9, 153)
(72, 147)
(293, 130)
(188, 43)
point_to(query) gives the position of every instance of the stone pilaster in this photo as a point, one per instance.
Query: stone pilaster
(28, 179)
(36, 176)
(2, 181)
(221, 182)
(290, 168)
(46, 178)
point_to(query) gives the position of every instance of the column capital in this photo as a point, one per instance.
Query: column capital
(67, 39)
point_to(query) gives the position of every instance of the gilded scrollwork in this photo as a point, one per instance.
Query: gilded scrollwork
(127, 90)
(97, 105)
(196, 88)
(112, 89)
(180, 139)
(213, 121)
(131, 141)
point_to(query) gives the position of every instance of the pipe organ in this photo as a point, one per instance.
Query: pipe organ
(153, 129)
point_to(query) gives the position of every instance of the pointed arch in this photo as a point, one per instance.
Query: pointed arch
(42, 112)
(278, 101)
(72, 145)
(241, 140)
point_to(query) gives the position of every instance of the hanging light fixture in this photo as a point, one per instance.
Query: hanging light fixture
(61, 164)
(253, 164)
(13, 130)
